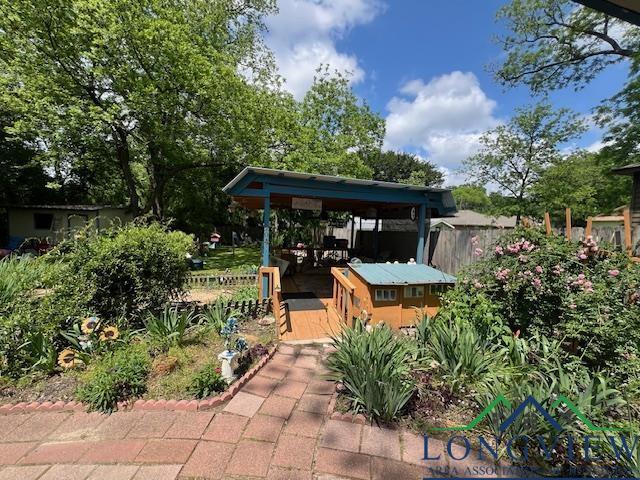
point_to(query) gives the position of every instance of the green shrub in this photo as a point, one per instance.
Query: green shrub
(460, 354)
(245, 293)
(170, 327)
(375, 369)
(118, 376)
(581, 292)
(215, 317)
(207, 381)
(26, 336)
(127, 271)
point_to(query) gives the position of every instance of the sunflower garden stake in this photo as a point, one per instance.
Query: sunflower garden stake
(229, 358)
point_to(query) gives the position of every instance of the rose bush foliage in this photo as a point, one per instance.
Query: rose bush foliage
(585, 295)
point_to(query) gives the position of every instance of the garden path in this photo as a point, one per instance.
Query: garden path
(276, 427)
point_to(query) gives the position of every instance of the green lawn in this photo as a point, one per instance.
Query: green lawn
(225, 258)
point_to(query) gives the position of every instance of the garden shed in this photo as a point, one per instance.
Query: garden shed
(57, 222)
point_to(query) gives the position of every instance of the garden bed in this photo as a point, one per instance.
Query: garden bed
(103, 320)
(170, 376)
(538, 317)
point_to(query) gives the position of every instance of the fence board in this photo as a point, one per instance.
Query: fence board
(453, 249)
(221, 280)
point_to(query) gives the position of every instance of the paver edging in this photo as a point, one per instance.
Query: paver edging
(360, 419)
(140, 404)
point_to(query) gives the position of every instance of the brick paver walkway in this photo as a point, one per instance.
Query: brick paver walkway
(276, 427)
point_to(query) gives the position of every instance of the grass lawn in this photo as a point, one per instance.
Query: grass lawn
(225, 258)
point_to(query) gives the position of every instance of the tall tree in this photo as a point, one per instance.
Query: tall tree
(583, 182)
(471, 197)
(404, 167)
(153, 84)
(514, 155)
(332, 130)
(556, 43)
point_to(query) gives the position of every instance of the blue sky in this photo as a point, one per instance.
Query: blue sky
(421, 64)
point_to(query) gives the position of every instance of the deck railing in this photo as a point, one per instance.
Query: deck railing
(343, 291)
(271, 289)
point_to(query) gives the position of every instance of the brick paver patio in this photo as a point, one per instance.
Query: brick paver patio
(276, 427)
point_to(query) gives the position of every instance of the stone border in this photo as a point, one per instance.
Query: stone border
(140, 404)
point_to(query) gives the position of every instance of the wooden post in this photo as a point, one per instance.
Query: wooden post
(627, 231)
(589, 227)
(547, 223)
(266, 224)
(422, 214)
(567, 215)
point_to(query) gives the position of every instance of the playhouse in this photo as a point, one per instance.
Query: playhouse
(396, 294)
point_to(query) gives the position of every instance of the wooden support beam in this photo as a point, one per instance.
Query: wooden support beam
(627, 231)
(547, 223)
(567, 216)
(589, 227)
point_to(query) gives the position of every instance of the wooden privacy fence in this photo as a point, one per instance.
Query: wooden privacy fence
(221, 280)
(451, 250)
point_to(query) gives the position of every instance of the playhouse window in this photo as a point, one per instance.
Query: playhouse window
(385, 294)
(414, 292)
(438, 289)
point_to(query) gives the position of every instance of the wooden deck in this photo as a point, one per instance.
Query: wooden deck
(308, 314)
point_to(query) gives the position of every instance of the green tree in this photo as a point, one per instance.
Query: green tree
(620, 116)
(404, 167)
(514, 155)
(152, 87)
(583, 182)
(471, 197)
(331, 130)
(556, 43)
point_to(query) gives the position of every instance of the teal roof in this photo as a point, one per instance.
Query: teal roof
(400, 274)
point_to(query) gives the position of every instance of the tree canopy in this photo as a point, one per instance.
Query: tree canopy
(513, 156)
(158, 103)
(558, 43)
(401, 167)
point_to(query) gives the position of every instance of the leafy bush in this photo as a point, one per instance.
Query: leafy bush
(245, 293)
(127, 271)
(170, 327)
(462, 357)
(25, 335)
(207, 381)
(578, 291)
(117, 376)
(375, 369)
(215, 315)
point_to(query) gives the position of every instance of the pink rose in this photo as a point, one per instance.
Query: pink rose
(538, 269)
(614, 273)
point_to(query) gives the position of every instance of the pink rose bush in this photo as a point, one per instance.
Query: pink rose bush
(583, 292)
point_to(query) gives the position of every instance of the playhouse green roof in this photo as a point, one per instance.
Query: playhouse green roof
(400, 274)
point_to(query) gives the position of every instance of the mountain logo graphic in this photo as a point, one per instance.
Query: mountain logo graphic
(531, 404)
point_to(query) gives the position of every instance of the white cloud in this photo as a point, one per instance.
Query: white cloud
(444, 118)
(303, 34)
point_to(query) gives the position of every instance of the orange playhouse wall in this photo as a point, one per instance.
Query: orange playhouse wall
(399, 313)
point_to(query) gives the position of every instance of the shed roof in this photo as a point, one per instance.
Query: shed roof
(62, 207)
(253, 184)
(627, 169)
(400, 274)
